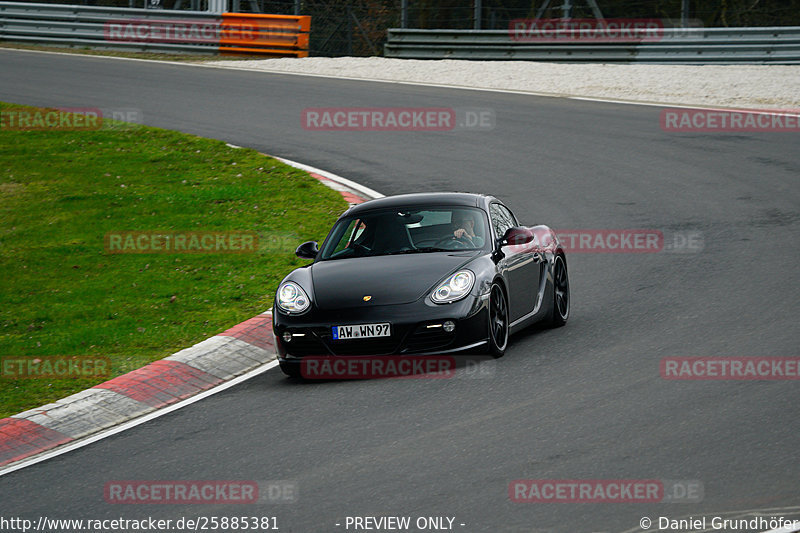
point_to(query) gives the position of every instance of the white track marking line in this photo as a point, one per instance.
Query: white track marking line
(137, 421)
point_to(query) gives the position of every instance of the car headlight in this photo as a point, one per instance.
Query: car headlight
(454, 288)
(292, 298)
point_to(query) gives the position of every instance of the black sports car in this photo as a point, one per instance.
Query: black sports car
(436, 273)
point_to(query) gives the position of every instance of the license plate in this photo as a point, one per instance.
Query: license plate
(361, 331)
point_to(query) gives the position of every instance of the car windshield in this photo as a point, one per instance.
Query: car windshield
(407, 231)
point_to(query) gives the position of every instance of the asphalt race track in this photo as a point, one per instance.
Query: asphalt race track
(582, 402)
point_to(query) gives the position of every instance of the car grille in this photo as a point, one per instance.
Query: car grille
(310, 344)
(379, 346)
(319, 341)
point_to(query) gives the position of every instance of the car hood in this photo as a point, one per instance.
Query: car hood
(388, 279)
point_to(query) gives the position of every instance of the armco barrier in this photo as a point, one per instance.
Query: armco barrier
(774, 45)
(265, 34)
(154, 30)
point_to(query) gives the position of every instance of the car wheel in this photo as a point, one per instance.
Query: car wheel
(498, 321)
(561, 300)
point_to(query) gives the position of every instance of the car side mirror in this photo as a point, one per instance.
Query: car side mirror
(307, 250)
(517, 236)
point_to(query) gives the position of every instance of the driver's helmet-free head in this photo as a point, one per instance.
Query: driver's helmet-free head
(464, 219)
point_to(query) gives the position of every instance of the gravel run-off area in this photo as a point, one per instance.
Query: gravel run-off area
(736, 86)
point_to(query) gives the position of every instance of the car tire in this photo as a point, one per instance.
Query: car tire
(498, 321)
(559, 314)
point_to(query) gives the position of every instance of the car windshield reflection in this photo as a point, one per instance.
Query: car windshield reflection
(407, 231)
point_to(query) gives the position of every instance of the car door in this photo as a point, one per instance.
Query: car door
(522, 268)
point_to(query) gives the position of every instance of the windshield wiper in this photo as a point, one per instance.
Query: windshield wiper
(398, 252)
(422, 250)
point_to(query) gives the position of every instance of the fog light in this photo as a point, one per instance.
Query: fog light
(287, 336)
(449, 326)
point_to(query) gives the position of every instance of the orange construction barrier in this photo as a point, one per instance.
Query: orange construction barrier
(276, 35)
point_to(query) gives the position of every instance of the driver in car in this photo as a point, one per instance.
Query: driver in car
(465, 229)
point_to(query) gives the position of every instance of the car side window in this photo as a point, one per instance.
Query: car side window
(349, 236)
(502, 219)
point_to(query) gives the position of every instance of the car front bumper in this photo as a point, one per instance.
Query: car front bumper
(416, 329)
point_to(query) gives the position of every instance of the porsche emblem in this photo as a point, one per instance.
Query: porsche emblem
(367, 298)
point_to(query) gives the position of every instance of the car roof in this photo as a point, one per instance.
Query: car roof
(421, 200)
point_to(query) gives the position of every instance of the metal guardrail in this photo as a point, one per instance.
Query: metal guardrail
(154, 30)
(773, 45)
(250, 33)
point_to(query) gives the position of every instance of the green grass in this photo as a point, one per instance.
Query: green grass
(63, 294)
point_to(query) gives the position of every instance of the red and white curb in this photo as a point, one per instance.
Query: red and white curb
(210, 366)
(354, 193)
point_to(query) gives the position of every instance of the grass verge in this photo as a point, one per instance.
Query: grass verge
(64, 294)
